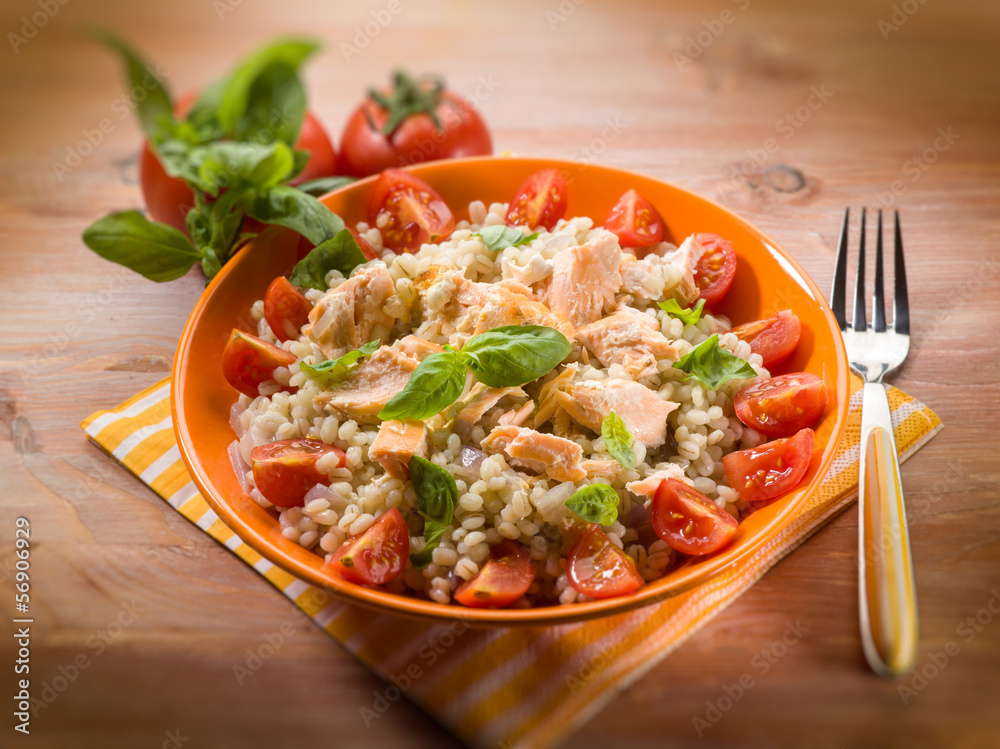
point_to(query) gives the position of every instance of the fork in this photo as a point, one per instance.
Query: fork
(886, 589)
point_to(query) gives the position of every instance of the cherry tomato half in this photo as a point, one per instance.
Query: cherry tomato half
(762, 473)
(782, 405)
(366, 149)
(599, 569)
(689, 521)
(713, 275)
(504, 578)
(247, 361)
(634, 221)
(376, 556)
(284, 471)
(408, 211)
(539, 201)
(168, 199)
(285, 309)
(774, 338)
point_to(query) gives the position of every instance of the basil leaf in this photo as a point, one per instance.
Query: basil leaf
(689, 316)
(498, 238)
(157, 251)
(234, 166)
(262, 83)
(339, 253)
(437, 497)
(597, 503)
(513, 355)
(175, 155)
(618, 440)
(332, 370)
(210, 263)
(302, 213)
(434, 385)
(156, 113)
(712, 365)
(276, 107)
(320, 187)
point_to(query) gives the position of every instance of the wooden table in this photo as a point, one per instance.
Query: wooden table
(782, 112)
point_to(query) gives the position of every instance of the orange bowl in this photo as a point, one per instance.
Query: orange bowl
(767, 280)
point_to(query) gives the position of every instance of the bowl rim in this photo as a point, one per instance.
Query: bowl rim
(412, 607)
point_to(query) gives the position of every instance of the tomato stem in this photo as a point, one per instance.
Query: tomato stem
(408, 96)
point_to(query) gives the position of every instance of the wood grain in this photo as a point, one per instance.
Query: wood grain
(599, 81)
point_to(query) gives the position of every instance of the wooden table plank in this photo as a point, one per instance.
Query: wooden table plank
(598, 81)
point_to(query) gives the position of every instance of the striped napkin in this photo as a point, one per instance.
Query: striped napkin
(524, 687)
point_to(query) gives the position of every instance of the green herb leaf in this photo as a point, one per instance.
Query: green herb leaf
(333, 370)
(513, 355)
(437, 497)
(153, 105)
(294, 209)
(689, 316)
(712, 365)
(320, 187)
(239, 166)
(339, 253)
(498, 238)
(597, 503)
(434, 385)
(157, 251)
(264, 94)
(618, 440)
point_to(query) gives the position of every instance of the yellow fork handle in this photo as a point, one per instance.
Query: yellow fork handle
(887, 593)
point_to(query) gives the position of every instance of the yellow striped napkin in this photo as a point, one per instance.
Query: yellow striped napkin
(525, 687)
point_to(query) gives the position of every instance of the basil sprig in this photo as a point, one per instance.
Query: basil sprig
(597, 503)
(437, 497)
(341, 253)
(333, 370)
(712, 365)
(508, 356)
(235, 148)
(434, 385)
(687, 315)
(500, 237)
(618, 440)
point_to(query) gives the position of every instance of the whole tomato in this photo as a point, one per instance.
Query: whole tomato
(168, 199)
(415, 120)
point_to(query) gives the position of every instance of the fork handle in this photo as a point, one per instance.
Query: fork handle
(887, 593)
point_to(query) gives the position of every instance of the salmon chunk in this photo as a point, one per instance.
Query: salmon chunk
(642, 410)
(396, 443)
(346, 317)
(585, 279)
(506, 307)
(647, 487)
(629, 338)
(416, 347)
(475, 405)
(364, 392)
(539, 453)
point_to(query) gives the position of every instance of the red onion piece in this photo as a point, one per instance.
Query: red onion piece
(472, 459)
(240, 467)
(234, 418)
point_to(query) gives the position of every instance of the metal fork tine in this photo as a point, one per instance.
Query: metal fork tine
(838, 295)
(859, 322)
(878, 301)
(900, 302)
